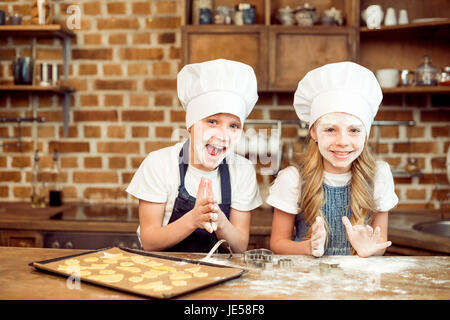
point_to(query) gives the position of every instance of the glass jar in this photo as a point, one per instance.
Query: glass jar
(426, 73)
(444, 78)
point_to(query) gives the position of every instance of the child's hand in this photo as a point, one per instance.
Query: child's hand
(318, 236)
(204, 205)
(364, 238)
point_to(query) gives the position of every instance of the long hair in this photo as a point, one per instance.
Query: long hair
(311, 198)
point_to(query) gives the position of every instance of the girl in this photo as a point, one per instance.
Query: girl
(338, 196)
(217, 95)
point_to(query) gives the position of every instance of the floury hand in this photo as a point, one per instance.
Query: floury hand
(318, 236)
(364, 239)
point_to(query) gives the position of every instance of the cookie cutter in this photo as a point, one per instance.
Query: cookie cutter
(285, 263)
(259, 258)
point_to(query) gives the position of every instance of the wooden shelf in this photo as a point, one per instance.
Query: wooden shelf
(50, 30)
(220, 28)
(36, 88)
(408, 27)
(417, 89)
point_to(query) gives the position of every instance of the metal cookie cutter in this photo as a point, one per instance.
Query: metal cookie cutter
(259, 258)
(285, 263)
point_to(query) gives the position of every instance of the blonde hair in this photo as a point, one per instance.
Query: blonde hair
(310, 166)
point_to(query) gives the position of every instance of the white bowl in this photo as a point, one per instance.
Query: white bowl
(388, 78)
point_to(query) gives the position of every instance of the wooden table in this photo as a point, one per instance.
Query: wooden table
(309, 278)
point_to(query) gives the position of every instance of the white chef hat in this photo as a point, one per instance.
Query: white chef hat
(217, 86)
(338, 87)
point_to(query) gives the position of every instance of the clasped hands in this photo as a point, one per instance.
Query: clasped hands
(362, 238)
(206, 213)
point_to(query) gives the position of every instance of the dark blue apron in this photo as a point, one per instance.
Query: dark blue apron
(200, 240)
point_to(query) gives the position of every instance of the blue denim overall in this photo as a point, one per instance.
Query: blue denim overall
(200, 240)
(336, 205)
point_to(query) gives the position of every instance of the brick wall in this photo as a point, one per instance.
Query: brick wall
(124, 63)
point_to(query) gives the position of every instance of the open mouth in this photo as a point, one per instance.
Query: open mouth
(215, 151)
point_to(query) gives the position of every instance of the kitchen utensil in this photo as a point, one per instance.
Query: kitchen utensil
(55, 73)
(259, 258)
(306, 15)
(447, 162)
(224, 15)
(426, 20)
(248, 14)
(406, 77)
(2, 17)
(238, 19)
(15, 19)
(390, 18)
(388, 78)
(205, 16)
(23, 68)
(426, 73)
(286, 16)
(214, 249)
(403, 17)
(45, 74)
(205, 12)
(373, 16)
(285, 263)
(444, 76)
(332, 16)
(40, 12)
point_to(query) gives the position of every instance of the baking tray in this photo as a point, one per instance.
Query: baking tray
(177, 269)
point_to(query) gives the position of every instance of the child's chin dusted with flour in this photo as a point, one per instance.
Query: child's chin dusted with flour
(196, 192)
(336, 196)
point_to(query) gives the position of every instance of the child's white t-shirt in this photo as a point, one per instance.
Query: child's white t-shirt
(284, 192)
(158, 179)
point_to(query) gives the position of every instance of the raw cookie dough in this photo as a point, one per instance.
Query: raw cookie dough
(108, 278)
(193, 269)
(97, 266)
(153, 273)
(165, 268)
(126, 264)
(107, 271)
(200, 274)
(90, 259)
(180, 276)
(135, 279)
(179, 283)
(149, 285)
(72, 262)
(162, 287)
(130, 269)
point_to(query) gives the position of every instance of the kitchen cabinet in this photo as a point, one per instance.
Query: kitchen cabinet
(21, 238)
(33, 32)
(216, 41)
(281, 55)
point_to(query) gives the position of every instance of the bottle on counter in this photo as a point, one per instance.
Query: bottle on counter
(55, 189)
(37, 184)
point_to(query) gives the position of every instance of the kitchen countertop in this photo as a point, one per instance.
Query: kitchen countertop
(354, 278)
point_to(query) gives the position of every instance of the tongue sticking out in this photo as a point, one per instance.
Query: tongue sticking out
(211, 150)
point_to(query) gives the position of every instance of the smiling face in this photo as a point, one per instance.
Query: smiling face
(212, 138)
(340, 138)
